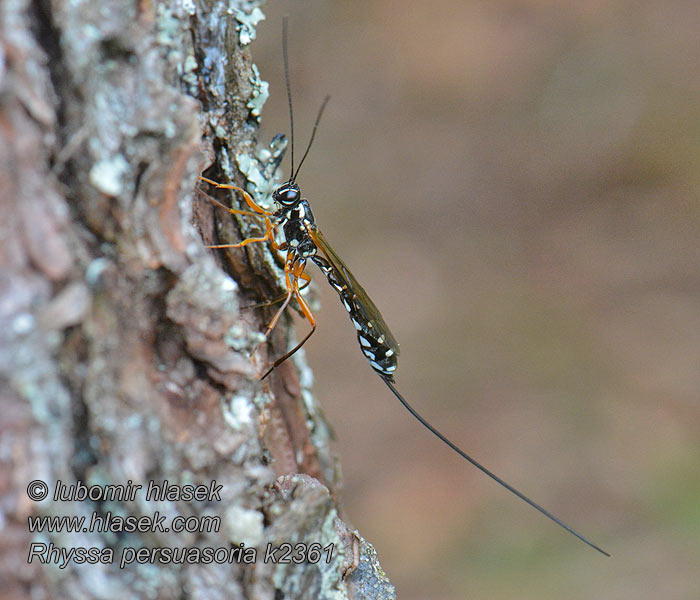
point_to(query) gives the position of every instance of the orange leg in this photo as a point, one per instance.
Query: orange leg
(265, 238)
(259, 212)
(249, 201)
(288, 297)
(297, 273)
(307, 282)
(234, 211)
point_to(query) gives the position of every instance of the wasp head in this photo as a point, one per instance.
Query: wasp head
(287, 194)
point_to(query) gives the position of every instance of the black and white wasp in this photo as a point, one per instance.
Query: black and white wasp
(303, 241)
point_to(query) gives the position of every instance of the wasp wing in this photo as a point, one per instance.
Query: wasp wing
(366, 307)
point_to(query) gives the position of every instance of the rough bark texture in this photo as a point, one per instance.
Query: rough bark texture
(124, 352)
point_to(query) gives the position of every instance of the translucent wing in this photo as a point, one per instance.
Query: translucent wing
(367, 308)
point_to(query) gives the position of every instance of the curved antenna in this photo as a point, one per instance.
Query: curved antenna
(313, 134)
(285, 57)
(390, 384)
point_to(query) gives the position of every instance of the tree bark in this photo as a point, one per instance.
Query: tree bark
(126, 352)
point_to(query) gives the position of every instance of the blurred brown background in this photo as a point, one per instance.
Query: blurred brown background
(516, 185)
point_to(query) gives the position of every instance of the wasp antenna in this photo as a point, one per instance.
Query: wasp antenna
(285, 58)
(313, 135)
(392, 386)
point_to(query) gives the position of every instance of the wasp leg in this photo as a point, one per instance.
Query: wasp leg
(307, 282)
(265, 238)
(268, 237)
(296, 275)
(246, 196)
(287, 298)
(258, 212)
(234, 211)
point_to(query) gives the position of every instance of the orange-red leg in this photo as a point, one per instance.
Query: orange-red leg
(258, 212)
(265, 238)
(307, 282)
(246, 196)
(297, 273)
(287, 299)
(234, 211)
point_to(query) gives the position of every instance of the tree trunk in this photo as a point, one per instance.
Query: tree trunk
(126, 351)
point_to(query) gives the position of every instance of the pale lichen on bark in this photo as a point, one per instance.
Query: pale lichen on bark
(125, 353)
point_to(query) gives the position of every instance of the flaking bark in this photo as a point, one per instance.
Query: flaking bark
(124, 350)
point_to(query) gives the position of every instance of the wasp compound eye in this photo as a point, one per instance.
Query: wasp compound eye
(287, 195)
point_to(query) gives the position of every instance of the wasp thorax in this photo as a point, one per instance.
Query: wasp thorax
(287, 194)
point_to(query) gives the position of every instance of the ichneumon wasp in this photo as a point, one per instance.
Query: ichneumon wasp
(303, 241)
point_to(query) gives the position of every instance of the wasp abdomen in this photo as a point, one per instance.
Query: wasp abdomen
(377, 350)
